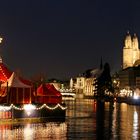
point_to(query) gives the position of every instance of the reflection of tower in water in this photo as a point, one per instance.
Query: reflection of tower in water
(104, 120)
(100, 116)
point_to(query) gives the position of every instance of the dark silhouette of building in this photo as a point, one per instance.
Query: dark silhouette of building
(130, 77)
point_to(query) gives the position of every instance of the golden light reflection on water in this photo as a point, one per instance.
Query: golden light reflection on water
(41, 131)
(135, 124)
(126, 122)
(114, 121)
(28, 132)
(85, 120)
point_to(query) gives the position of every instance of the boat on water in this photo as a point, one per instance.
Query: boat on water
(18, 98)
(42, 111)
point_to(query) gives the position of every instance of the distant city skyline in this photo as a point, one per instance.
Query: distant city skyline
(64, 38)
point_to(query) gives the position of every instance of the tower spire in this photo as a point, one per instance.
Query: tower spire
(128, 32)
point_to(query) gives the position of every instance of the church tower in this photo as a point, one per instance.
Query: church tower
(135, 46)
(128, 52)
(131, 52)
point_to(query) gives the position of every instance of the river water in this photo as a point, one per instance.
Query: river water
(85, 120)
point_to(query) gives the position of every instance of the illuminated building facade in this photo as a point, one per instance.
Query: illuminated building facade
(84, 86)
(79, 86)
(89, 87)
(131, 51)
(130, 74)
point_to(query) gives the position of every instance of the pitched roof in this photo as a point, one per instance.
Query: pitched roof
(47, 90)
(96, 72)
(25, 81)
(14, 81)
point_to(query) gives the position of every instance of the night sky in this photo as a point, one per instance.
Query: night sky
(62, 38)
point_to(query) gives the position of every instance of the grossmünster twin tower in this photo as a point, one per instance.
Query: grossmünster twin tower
(131, 51)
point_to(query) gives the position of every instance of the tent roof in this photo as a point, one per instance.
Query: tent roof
(4, 73)
(14, 81)
(47, 90)
(26, 82)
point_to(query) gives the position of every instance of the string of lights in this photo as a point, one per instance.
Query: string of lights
(31, 107)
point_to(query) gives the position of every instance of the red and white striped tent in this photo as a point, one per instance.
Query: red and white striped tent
(15, 91)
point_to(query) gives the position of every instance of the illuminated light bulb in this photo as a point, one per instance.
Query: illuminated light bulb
(1, 39)
(135, 97)
(29, 107)
(28, 113)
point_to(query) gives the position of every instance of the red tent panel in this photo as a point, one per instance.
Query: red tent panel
(26, 82)
(46, 93)
(53, 89)
(4, 73)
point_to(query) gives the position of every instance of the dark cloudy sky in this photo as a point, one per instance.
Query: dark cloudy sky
(63, 38)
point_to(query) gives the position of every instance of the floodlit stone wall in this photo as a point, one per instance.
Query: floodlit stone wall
(131, 51)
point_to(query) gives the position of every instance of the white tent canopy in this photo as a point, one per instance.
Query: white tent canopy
(14, 81)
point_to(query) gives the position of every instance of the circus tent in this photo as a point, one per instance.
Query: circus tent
(15, 91)
(46, 93)
(5, 74)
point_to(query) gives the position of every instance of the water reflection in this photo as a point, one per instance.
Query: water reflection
(85, 120)
(135, 124)
(100, 120)
(95, 120)
(37, 131)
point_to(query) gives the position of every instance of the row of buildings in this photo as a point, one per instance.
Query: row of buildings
(127, 78)
(81, 85)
